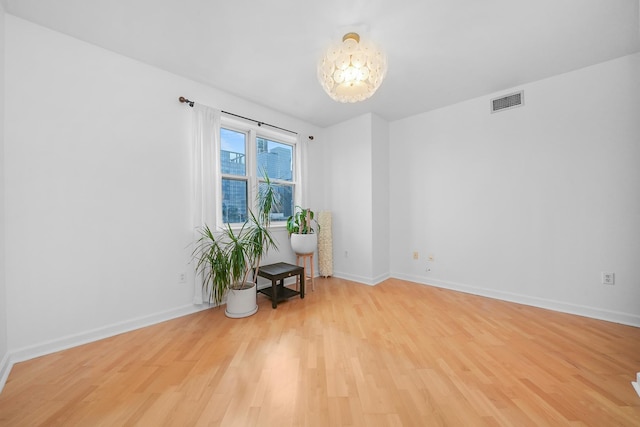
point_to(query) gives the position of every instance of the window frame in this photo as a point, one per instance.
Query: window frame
(252, 175)
(233, 177)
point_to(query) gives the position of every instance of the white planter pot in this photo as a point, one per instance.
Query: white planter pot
(304, 243)
(242, 302)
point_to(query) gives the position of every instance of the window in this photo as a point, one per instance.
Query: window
(233, 165)
(276, 159)
(245, 156)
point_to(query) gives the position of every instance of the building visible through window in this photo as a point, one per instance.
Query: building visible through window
(242, 152)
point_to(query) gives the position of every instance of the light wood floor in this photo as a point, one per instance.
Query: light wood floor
(397, 354)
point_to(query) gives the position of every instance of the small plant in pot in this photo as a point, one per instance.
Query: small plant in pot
(225, 259)
(300, 226)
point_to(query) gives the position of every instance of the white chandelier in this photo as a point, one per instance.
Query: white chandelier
(352, 71)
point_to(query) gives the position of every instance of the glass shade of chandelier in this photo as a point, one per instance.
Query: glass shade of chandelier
(352, 71)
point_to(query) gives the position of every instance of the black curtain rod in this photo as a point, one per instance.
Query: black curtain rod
(184, 100)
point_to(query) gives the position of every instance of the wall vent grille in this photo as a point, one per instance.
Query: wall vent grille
(507, 102)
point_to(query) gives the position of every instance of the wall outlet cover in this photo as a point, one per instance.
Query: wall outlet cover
(608, 278)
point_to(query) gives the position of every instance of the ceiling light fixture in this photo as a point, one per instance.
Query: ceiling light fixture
(352, 71)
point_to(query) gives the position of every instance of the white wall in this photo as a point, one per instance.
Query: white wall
(348, 196)
(4, 348)
(529, 204)
(98, 220)
(380, 198)
(356, 177)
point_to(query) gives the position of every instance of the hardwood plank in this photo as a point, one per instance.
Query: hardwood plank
(397, 354)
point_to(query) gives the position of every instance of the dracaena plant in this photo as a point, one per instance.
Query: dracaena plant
(225, 259)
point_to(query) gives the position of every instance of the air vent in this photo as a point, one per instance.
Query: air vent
(507, 102)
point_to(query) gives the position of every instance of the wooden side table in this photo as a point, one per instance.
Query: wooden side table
(306, 257)
(278, 272)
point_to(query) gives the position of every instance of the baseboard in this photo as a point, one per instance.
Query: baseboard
(563, 307)
(53, 346)
(5, 368)
(371, 281)
(381, 278)
(354, 278)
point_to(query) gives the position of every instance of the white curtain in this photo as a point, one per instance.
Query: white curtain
(205, 158)
(301, 157)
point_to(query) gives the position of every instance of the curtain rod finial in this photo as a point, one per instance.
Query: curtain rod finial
(183, 100)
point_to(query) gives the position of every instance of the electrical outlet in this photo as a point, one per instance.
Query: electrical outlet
(416, 255)
(608, 278)
(182, 277)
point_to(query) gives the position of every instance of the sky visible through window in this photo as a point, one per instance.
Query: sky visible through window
(232, 141)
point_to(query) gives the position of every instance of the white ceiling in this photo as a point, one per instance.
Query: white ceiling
(439, 51)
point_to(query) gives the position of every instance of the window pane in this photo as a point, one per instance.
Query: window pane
(234, 200)
(284, 208)
(233, 152)
(275, 158)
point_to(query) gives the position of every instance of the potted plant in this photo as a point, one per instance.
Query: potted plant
(225, 259)
(300, 226)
